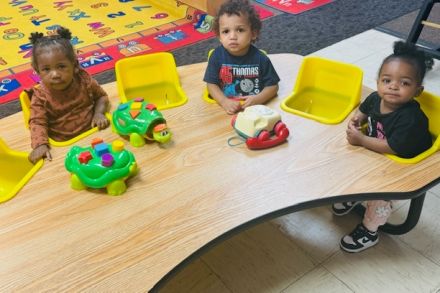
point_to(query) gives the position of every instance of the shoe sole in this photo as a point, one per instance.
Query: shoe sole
(356, 250)
(347, 211)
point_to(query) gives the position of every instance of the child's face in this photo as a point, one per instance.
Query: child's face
(397, 83)
(235, 33)
(55, 69)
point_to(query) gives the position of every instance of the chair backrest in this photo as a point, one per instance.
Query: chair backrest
(325, 90)
(151, 76)
(329, 76)
(430, 105)
(16, 171)
(25, 103)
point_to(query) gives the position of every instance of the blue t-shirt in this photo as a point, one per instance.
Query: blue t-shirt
(240, 75)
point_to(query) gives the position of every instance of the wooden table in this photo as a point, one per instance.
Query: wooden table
(188, 196)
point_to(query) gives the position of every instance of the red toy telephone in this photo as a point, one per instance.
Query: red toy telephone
(260, 126)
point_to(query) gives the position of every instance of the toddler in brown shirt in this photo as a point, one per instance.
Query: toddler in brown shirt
(68, 101)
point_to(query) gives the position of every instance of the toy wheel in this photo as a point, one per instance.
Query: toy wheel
(278, 127)
(136, 140)
(264, 135)
(134, 169)
(75, 183)
(116, 187)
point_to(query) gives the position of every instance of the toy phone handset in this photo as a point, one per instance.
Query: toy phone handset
(260, 126)
(264, 140)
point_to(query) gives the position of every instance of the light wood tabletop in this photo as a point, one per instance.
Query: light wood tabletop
(188, 195)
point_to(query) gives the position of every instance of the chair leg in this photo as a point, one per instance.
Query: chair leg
(414, 212)
(417, 27)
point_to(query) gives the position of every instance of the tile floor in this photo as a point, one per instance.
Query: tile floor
(300, 252)
(367, 50)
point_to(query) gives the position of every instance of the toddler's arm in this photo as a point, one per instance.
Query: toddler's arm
(99, 118)
(356, 137)
(262, 98)
(357, 120)
(38, 126)
(41, 151)
(229, 105)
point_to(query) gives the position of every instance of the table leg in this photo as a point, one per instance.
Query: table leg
(415, 209)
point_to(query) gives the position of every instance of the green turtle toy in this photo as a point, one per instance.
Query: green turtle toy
(140, 121)
(101, 166)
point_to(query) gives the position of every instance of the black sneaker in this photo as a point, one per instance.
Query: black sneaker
(359, 239)
(343, 208)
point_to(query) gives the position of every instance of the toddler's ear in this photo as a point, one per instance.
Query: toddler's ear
(77, 66)
(419, 90)
(254, 35)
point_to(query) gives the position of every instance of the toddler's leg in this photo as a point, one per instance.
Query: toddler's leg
(376, 214)
(365, 234)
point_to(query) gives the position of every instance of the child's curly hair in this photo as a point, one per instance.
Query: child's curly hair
(61, 40)
(238, 7)
(410, 54)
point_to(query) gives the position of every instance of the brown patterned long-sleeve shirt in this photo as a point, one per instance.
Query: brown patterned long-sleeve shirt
(62, 115)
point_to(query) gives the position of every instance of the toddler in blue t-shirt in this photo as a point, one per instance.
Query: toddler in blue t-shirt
(238, 74)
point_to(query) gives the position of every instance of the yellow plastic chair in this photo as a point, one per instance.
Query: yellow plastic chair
(153, 77)
(15, 172)
(25, 102)
(206, 95)
(325, 90)
(430, 105)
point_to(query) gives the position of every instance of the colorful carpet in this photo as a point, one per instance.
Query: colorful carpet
(294, 6)
(103, 32)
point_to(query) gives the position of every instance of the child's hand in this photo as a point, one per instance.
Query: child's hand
(100, 121)
(354, 123)
(250, 101)
(41, 151)
(354, 135)
(261, 98)
(230, 106)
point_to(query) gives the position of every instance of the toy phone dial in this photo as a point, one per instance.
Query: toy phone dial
(260, 126)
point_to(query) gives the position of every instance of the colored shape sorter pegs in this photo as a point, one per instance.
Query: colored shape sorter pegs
(107, 160)
(96, 141)
(101, 149)
(150, 107)
(136, 106)
(122, 107)
(85, 157)
(117, 146)
(134, 113)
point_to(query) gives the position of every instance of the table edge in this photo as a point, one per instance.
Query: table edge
(284, 211)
